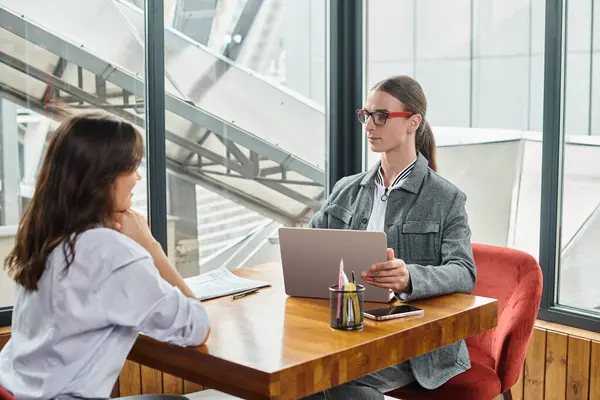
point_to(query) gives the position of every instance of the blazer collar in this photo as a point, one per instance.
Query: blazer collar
(413, 180)
(371, 174)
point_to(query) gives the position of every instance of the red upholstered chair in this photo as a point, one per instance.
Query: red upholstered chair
(497, 355)
(5, 395)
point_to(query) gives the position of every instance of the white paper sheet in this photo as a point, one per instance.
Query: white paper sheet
(220, 282)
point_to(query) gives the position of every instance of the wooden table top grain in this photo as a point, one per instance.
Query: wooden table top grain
(271, 346)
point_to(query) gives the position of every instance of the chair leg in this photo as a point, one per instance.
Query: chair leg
(507, 395)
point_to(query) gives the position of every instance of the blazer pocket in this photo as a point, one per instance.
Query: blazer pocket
(338, 217)
(422, 237)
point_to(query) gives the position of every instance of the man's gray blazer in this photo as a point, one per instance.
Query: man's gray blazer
(426, 225)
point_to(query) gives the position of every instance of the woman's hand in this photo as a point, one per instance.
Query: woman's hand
(133, 224)
(390, 274)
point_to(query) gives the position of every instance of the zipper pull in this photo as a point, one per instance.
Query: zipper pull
(385, 195)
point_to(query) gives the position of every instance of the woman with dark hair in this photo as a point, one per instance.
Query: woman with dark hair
(89, 274)
(424, 218)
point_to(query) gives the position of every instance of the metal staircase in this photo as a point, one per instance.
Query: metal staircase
(268, 158)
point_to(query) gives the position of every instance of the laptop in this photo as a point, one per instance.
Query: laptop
(311, 260)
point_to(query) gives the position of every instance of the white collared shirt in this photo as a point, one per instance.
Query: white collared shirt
(71, 337)
(380, 197)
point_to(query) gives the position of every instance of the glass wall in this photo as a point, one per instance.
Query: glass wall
(245, 114)
(52, 66)
(245, 120)
(245, 92)
(480, 63)
(578, 273)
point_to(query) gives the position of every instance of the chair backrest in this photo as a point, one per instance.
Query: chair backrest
(515, 279)
(5, 395)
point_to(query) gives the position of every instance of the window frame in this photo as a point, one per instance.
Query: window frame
(345, 73)
(552, 174)
(5, 316)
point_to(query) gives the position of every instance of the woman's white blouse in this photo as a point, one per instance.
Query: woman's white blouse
(70, 338)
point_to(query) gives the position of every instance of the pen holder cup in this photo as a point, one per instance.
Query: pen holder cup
(346, 308)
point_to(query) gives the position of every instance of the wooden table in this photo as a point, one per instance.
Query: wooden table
(271, 346)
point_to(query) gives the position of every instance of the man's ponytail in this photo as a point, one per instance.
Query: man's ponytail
(425, 144)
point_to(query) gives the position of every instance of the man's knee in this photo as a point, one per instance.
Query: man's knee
(353, 391)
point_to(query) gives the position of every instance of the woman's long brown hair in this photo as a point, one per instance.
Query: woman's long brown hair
(74, 190)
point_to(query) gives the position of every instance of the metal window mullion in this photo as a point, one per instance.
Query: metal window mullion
(552, 149)
(155, 119)
(345, 90)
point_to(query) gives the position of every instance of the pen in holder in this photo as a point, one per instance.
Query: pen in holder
(346, 306)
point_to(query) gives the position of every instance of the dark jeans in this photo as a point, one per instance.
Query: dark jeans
(370, 387)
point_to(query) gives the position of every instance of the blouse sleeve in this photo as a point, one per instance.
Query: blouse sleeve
(136, 296)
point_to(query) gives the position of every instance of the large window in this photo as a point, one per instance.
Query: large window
(245, 84)
(480, 63)
(57, 59)
(494, 92)
(579, 273)
(245, 107)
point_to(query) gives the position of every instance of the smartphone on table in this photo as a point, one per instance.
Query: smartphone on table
(381, 314)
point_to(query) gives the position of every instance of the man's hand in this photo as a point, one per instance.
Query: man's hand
(390, 274)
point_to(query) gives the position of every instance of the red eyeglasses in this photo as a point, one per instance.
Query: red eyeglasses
(380, 117)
